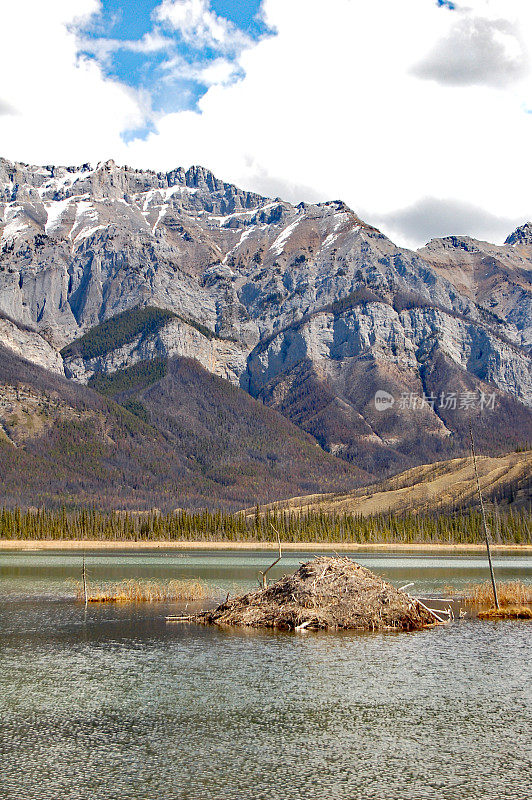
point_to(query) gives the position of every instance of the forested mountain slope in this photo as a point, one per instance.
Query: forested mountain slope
(192, 440)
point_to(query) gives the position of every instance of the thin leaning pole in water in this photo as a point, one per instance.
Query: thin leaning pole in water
(483, 514)
(84, 577)
(264, 579)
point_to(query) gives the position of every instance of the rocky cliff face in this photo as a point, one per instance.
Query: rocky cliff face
(307, 305)
(176, 338)
(28, 344)
(496, 278)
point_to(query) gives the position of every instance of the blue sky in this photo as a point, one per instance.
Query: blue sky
(130, 20)
(169, 87)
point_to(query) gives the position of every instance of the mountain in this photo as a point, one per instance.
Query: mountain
(497, 278)
(443, 486)
(191, 440)
(307, 308)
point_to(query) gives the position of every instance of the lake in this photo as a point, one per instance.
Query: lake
(112, 703)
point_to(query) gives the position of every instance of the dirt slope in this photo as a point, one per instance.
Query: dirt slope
(441, 486)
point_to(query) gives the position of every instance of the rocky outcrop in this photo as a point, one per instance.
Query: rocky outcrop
(30, 345)
(401, 340)
(496, 278)
(521, 236)
(177, 338)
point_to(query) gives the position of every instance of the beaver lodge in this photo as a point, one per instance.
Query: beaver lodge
(325, 593)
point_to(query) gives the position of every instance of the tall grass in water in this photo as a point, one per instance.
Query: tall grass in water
(513, 593)
(132, 591)
(507, 612)
(515, 600)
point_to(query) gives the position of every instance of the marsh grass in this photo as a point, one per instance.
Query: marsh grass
(132, 591)
(511, 593)
(507, 612)
(515, 600)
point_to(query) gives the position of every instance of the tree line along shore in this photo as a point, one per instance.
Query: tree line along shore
(465, 527)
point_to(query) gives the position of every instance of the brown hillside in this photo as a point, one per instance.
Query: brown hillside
(189, 439)
(441, 486)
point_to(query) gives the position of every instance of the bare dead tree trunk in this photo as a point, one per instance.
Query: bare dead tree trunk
(84, 577)
(263, 582)
(483, 513)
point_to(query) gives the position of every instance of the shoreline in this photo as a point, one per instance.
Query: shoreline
(318, 547)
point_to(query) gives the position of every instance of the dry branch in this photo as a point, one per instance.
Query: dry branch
(264, 582)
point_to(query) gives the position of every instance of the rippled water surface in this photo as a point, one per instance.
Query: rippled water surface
(114, 704)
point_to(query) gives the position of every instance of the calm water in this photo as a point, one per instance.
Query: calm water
(113, 704)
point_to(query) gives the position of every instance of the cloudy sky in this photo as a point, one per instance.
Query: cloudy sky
(417, 113)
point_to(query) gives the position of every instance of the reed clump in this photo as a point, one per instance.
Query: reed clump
(511, 593)
(515, 600)
(507, 612)
(133, 591)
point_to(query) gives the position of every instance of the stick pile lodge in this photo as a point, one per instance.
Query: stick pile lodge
(325, 593)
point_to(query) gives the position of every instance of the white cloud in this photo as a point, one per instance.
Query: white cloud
(199, 25)
(67, 110)
(432, 217)
(217, 72)
(328, 107)
(103, 49)
(330, 103)
(6, 109)
(476, 51)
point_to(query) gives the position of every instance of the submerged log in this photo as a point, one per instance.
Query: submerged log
(325, 593)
